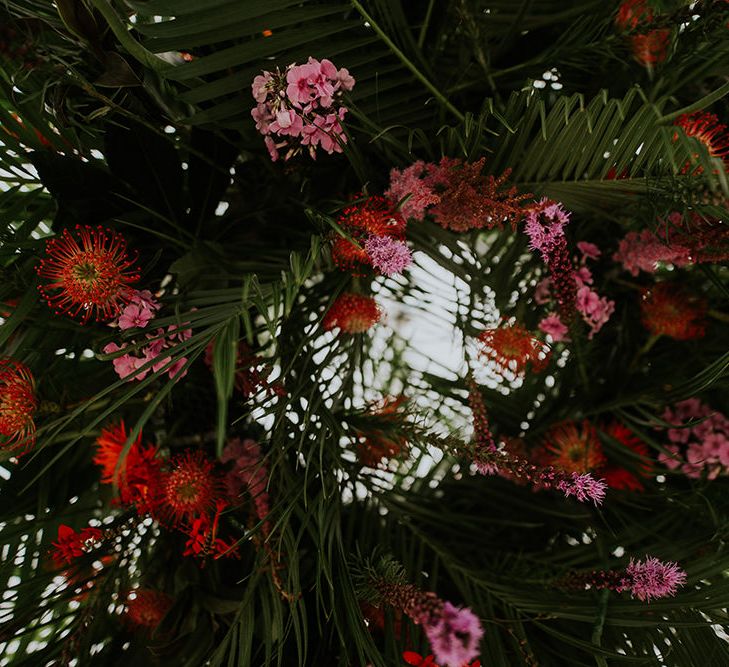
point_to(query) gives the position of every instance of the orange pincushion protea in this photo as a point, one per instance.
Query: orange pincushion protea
(190, 488)
(18, 404)
(513, 348)
(88, 273)
(706, 128)
(573, 448)
(145, 608)
(352, 313)
(669, 311)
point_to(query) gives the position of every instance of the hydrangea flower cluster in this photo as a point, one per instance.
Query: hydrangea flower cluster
(456, 194)
(138, 313)
(572, 285)
(300, 108)
(696, 449)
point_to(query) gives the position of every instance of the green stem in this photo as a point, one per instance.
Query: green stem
(404, 59)
(643, 350)
(700, 104)
(426, 23)
(599, 625)
(718, 315)
(133, 47)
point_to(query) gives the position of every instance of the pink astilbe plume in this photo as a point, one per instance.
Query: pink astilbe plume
(652, 578)
(410, 183)
(642, 251)
(388, 255)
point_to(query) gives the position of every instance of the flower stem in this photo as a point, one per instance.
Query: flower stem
(404, 59)
(699, 104)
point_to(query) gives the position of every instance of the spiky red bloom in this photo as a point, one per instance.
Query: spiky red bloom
(190, 488)
(631, 13)
(514, 348)
(651, 48)
(618, 477)
(352, 313)
(573, 448)
(145, 608)
(670, 311)
(377, 444)
(70, 544)
(706, 128)
(376, 216)
(137, 476)
(88, 273)
(18, 404)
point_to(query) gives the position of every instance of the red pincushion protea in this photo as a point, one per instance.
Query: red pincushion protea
(376, 216)
(352, 313)
(70, 544)
(651, 48)
(573, 448)
(137, 475)
(615, 475)
(669, 311)
(631, 13)
(145, 608)
(18, 404)
(706, 128)
(88, 273)
(190, 488)
(513, 348)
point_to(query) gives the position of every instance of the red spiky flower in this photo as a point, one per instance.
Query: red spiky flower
(616, 476)
(137, 475)
(191, 488)
(145, 608)
(383, 440)
(574, 449)
(651, 48)
(706, 128)
(70, 544)
(18, 404)
(376, 216)
(352, 313)
(631, 13)
(667, 310)
(512, 348)
(88, 273)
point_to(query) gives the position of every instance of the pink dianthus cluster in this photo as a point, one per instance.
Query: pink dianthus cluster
(140, 311)
(300, 109)
(702, 448)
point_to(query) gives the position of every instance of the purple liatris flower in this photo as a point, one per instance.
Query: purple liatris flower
(652, 578)
(584, 487)
(454, 636)
(387, 254)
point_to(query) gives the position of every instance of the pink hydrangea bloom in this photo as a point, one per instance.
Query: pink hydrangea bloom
(554, 327)
(454, 635)
(388, 255)
(595, 310)
(653, 579)
(135, 315)
(260, 85)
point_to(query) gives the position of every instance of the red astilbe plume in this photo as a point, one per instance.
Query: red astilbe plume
(667, 310)
(87, 274)
(470, 200)
(136, 475)
(145, 608)
(70, 545)
(190, 488)
(706, 128)
(374, 217)
(616, 476)
(18, 404)
(574, 449)
(352, 313)
(513, 348)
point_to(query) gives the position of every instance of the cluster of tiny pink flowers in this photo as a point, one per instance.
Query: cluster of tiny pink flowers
(549, 240)
(646, 580)
(698, 449)
(140, 311)
(388, 255)
(645, 251)
(299, 109)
